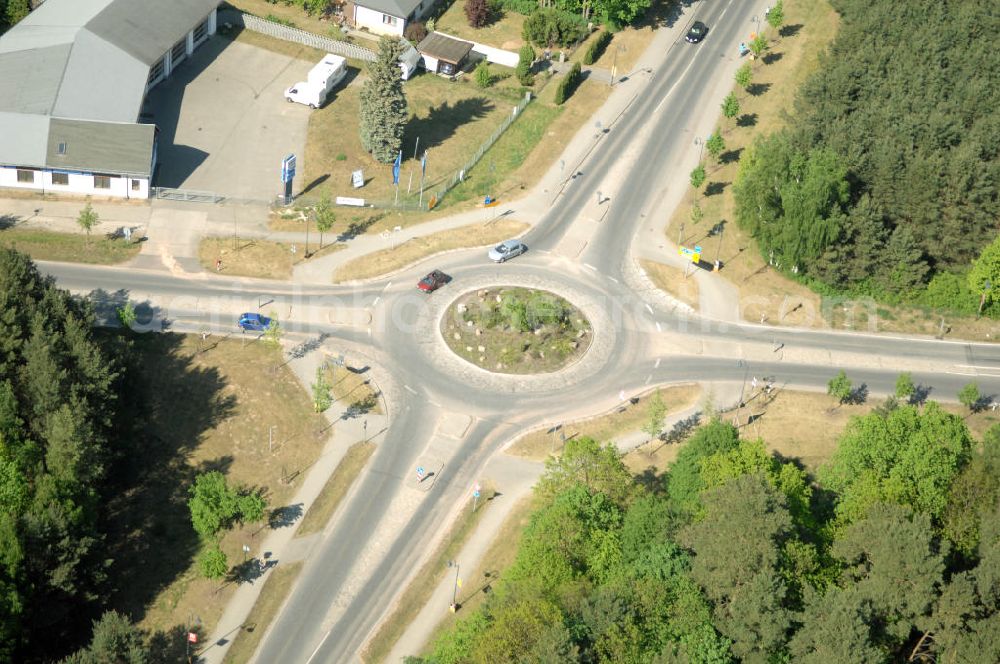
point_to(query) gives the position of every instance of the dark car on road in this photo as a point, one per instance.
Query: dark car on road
(697, 32)
(251, 322)
(433, 281)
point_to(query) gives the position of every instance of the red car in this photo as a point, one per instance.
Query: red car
(433, 281)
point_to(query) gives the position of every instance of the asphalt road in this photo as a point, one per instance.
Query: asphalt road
(330, 613)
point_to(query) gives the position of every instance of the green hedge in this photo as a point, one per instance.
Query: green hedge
(596, 49)
(568, 84)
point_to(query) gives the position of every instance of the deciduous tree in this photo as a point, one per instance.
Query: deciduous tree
(970, 396)
(87, 219)
(730, 106)
(840, 387)
(324, 215)
(477, 12)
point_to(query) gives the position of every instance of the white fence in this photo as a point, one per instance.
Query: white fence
(495, 55)
(286, 33)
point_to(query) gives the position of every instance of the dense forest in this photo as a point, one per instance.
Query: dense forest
(891, 554)
(63, 433)
(887, 180)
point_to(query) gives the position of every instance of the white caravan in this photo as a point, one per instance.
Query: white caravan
(322, 78)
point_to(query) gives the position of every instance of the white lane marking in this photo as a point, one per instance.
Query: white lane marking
(649, 308)
(590, 266)
(649, 378)
(657, 365)
(673, 87)
(613, 279)
(322, 641)
(544, 251)
(410, 389)
(377, 298)
(658, 328)
(387, 287)
(978, 366)
(434, 403)
(369, 331)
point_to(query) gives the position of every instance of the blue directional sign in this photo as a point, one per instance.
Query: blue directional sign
(288, 168)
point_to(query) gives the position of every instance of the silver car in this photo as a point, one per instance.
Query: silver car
(506, 249)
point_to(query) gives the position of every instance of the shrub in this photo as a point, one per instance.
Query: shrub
(483, 76)
(431, 24)
(568, 84)
(950, 292)
(526, 56)
(596, 49)
(415, 32)
(526, 7)
(278, 19)
(477, 12)
(549, 27)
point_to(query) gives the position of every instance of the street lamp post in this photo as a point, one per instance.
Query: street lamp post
(454, 592)
(700, 142)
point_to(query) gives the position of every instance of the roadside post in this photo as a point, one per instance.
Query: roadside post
(454, 593)
(287, 175)
(421, 473)
(475, 497)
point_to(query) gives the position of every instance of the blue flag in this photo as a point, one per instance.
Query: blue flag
(395, 167)
(423, 164)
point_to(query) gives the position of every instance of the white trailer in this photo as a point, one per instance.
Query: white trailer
(321, 79)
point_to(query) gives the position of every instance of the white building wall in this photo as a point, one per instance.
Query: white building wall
(373, 20)
(79, 183)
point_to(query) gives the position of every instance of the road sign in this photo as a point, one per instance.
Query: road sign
(288, 168)
(693, 254)
(358, 179)
(192, 637)
(421, 472)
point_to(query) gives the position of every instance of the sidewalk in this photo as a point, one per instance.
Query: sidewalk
(280, 544)
(514, 479)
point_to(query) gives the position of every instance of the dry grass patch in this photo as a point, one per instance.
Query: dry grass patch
(500, 555)
(422, 585)
(279, 46)
(69, 247)
(763, 291)
(264, 259)
(674, 281)
(450, 119)
(268, 603)
(387, 261)
(604, 428)
(208, 405)
(336, 488)
(354, 388)
(504, 31)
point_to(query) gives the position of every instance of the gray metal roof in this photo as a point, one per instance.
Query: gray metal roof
(443, 47)
(84, 60)
(399, 8)
(103, 147)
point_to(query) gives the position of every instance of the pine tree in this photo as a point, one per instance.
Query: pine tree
(383, 108)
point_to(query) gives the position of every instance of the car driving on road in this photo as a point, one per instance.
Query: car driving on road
(697, 32)
(506, 250)
(433, 281)
(252, 322)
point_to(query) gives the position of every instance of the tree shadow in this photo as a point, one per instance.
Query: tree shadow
(790, 30)
(283, 517)
(771, 58)
(757, 89)
(858, 395)
(747, 120)
(315, 183)
(664, 14)
(171, 646)
(715, 188)
(167, 404)
(358, 226)
(920, 395)
(441, 121)
(652, 480)
(730, 156)
(8, 221)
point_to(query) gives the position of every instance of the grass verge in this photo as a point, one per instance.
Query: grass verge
(423, 583)
(498, 557)
(205, 405)
(770, 293)
(69, 247)
(604, 428)
(336, 488)
(264, 259)
(386, 261)
(271, 597)
(672, 280)
(355, 388)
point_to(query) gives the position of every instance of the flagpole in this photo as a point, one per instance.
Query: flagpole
(410, 183)
(415, 148)
(423, 167)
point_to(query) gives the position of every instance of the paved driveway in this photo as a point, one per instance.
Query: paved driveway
(224, 124)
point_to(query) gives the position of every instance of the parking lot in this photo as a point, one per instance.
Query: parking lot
(224, 124)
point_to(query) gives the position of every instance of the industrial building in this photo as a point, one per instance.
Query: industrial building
(73, 77)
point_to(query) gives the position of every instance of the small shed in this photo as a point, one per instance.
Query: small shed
(443, 54)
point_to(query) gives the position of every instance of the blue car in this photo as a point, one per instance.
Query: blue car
(254, 322)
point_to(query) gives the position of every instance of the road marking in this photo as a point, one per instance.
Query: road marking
(410, 389)
(657, 365)
(387, 287)
(658, 328)
(377, 298)
(649, 308)
(649, 378)
(322, 641)
(434, 403)
(590, 266)
(613, 279)
(977, 366)
(680, 79)
(369, 330)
